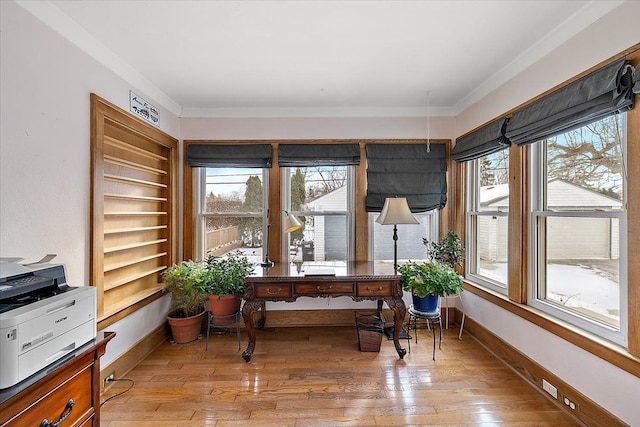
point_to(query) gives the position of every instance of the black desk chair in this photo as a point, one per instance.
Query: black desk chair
(432, 319)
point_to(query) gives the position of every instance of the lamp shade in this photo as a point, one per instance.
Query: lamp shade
(396, 211)
(291, 223)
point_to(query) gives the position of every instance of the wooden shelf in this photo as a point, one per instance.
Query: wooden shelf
(120, 265)
(133, 246)
(121, 282)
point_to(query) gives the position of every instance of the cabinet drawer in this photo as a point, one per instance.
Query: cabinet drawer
(273, 290)
(324, 288)
(377, 289)
(58, 403)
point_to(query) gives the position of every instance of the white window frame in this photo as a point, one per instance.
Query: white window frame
(472, 257)
(538, 215)
(201, 216)
(348, 214)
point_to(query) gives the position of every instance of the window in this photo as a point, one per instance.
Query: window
(411, 245)
(322, 198)
(579, 227)
(487, 218)
(232, 211)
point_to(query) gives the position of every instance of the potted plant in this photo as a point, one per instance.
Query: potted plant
(224, 284)
(427, 281)
(448, 250)
(184, 281)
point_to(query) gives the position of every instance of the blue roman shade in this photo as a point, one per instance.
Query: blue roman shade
(229, 156)
(407, 170)
(488, 139)
(595, 96)
(299, 155)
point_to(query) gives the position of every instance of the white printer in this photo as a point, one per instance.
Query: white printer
(42, 319)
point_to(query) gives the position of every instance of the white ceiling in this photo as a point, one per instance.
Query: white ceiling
(317, 58)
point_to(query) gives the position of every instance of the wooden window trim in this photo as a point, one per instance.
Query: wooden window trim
(102, 112)
(361, 231)
(627, 359)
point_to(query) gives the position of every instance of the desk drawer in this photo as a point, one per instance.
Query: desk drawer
(59, 403)
(375, 289)
(273, 290)
(324, 288)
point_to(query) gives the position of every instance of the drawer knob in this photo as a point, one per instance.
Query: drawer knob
(65, 414)
(276, 292)
(324, 288)
(374, 291)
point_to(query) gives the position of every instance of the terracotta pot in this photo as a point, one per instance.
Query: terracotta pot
(224, 309)
(185, 329)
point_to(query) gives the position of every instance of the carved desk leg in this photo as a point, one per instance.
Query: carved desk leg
(399, 311)
(248, 309)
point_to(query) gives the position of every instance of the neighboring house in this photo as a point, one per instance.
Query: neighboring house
(572, 238)
(328, 232)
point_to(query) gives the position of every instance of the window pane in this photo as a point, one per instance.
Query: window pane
(585, 169)
(233, 198)
(493, 175)
(313, 191)
(492, 248)
(410, 243)
(325, 239)
(233, 190)
(582, 266)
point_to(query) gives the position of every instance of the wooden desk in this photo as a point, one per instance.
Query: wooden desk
(358, 280)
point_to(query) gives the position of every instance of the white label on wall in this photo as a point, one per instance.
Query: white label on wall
(141, 108)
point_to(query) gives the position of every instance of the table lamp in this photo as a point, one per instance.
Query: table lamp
(396, 211)
(291, 224)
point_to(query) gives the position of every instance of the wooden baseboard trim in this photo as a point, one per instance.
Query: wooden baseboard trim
(126, 362)
(586, 412)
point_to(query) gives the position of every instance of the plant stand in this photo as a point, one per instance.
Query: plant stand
(222, 324)
(432, 319)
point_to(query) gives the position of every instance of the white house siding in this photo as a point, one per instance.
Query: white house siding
(492, 238)
(568, 237)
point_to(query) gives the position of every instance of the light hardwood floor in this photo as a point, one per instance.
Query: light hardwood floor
(302, 377)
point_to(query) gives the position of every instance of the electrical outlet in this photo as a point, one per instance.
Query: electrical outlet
(550, 389)
(109, 378)
(569, 403)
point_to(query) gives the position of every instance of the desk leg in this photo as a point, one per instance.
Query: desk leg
(399, 311)
(248, 309)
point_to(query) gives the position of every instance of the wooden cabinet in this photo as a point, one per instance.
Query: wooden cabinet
(70, 391)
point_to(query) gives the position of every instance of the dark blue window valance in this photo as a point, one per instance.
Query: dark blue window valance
(407, 170)
(300, 155)
(488, 139)
(595, 96)
(229, 156)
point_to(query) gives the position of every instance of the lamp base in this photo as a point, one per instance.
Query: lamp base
(267, 263)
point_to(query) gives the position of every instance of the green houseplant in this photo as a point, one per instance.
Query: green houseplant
(427, 281)
(448, 250)
(184, 281)
(224, 284)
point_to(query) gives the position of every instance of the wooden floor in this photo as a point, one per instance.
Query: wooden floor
(302, 377)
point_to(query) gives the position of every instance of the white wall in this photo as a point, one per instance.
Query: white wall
(45, 84)
(614, 389)
(44, 169)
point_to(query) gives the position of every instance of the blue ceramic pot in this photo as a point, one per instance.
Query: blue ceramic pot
(428, 304)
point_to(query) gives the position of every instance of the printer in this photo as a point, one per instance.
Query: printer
(42, 319)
